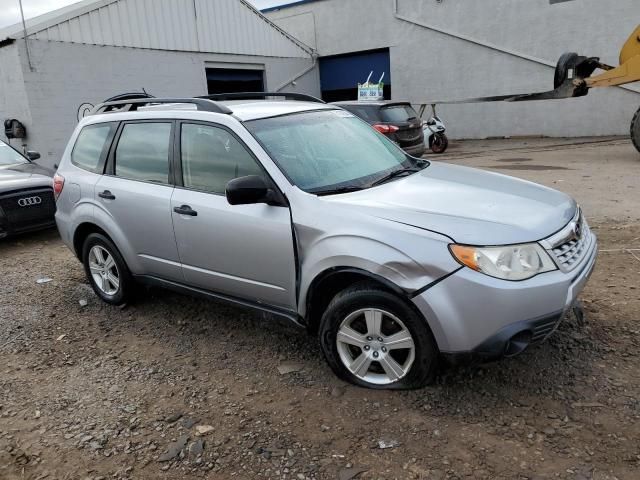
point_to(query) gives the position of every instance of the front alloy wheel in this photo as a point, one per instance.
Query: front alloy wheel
(375, 346)
(376, 339)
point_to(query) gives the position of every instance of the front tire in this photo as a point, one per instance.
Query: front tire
(374, 339)
(106, 270)
(635, 130)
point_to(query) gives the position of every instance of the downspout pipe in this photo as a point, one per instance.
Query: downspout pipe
(478, 42)
(26, 39)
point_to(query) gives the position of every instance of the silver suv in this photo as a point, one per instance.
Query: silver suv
(300, 209)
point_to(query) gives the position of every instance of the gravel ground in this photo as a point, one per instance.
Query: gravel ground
(174, 387)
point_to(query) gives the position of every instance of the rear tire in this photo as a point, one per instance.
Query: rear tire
(381, 338)
(635, 130)
(438, 143)
(106, 270)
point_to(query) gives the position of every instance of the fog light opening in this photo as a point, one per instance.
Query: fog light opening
(518, 343)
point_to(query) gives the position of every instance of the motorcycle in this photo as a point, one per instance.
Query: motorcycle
(434, 133)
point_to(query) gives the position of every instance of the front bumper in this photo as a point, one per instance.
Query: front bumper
(474, 315)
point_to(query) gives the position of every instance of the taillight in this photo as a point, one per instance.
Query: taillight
(58, 185)
(386, 128)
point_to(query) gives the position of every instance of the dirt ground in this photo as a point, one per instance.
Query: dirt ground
(173, 387)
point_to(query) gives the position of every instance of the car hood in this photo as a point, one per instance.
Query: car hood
(26, 175)
(468, 205)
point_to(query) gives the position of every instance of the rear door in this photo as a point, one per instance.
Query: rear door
(136, 193)
(243, 251)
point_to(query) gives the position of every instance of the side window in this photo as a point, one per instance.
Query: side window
(212, 156)
(143, 152)
(90, 146)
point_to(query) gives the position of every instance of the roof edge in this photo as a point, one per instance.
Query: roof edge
(286, 5)
(54, 17)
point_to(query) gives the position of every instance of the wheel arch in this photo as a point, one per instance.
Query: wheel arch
(328, 283)
(81, 233)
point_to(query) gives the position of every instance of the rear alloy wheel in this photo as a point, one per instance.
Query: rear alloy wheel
(373, 338)
(106, 270)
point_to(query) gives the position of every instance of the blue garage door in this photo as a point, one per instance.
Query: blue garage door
(340, 74)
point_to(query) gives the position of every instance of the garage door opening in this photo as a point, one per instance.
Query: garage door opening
(340, 74)
(224, 80)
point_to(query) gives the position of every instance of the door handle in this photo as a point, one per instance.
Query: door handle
(186, 210)
(107, 194)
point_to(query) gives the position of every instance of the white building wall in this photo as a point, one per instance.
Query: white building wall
(67, 75)
(13, 95)
(508, 47)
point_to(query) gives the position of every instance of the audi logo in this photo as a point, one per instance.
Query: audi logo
(29, 201)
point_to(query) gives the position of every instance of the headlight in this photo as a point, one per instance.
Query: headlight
(512, 262)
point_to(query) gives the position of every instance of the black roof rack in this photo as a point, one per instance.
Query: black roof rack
(257, 95)
(130, 105)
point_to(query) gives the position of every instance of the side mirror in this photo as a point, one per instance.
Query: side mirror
(249, 190)
(31, 155)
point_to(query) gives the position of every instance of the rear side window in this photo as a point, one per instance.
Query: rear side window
(91, 146)
(399, 113)
(211, 157)
(143, 152)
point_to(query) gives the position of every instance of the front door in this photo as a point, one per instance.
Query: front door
(244, 251)
(136, 193)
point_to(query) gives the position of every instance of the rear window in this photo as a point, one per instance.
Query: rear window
(366, 112)
(143, 152)
(91, 145)
(398, 113)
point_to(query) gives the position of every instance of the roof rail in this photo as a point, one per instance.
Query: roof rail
(257, 95)
(130, 105)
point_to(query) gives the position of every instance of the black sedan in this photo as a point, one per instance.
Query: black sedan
(26, 193)
(397, 120)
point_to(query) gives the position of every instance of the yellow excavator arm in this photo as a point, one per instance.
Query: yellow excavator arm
(629, 69)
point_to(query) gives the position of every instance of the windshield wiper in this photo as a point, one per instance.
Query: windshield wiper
(336, 191)
(394, 174)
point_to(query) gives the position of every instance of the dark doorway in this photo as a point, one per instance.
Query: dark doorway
(223, 80)
(340, 74)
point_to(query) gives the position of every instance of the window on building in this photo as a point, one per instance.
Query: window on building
(143, 152)
(230, 80)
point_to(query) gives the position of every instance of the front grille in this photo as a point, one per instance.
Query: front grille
(571, 252)
(570, 245)
(28, 208)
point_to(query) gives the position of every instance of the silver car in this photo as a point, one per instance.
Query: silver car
(300, 209)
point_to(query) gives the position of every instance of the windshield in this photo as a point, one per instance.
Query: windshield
(398, 113)
(8, 156)
(328, 150)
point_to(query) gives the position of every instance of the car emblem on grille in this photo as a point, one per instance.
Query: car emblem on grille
(29, 201)
(577, 230)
